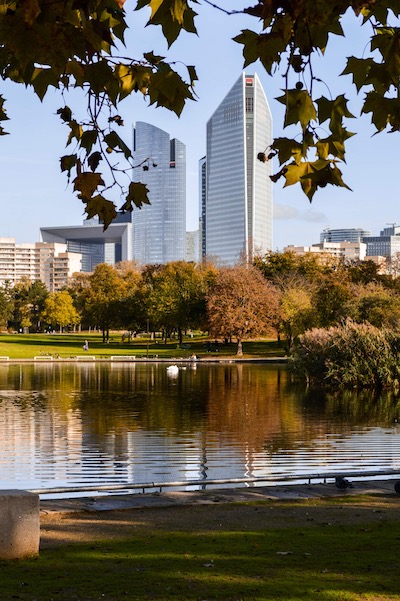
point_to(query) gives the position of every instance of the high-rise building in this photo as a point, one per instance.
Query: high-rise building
(159, 229)
(238, 187)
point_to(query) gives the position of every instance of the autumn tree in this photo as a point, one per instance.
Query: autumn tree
(59, 310)
(241, 304)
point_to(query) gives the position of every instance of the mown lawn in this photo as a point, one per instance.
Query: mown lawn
(27, 346)
(321, 563)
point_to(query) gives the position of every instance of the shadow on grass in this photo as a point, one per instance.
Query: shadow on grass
(324, 563)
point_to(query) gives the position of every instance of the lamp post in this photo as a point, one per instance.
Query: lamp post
(147, 338)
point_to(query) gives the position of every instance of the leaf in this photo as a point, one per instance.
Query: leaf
(94, 160)
(3, 114)
(299, 107)
(105, 209)
(42, 79)
(76, 131)
(358, 68)
(287, 148)
(172, 15)
(167, 89)
(114, 141)
(385, 111)
(88, 139)
(67, 163)
(138, 195)
(65, 114)
(87, 183)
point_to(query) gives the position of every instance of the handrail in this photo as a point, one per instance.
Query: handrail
(268, 480)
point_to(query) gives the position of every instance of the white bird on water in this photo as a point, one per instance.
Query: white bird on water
(172, 370)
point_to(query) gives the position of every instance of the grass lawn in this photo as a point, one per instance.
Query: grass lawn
(27, 346)
(320, 562)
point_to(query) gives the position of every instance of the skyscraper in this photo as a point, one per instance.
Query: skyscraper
(238, 188)
(159, 229)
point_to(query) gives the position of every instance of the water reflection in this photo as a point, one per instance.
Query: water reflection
(83, 424)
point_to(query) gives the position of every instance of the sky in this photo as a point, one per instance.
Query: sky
(34, 193)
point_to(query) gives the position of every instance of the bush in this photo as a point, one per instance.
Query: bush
(351, 355)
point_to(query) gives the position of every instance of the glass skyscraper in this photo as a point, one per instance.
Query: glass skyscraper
(159, 229)
(238, 187)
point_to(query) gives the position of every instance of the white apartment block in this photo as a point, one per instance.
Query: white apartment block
(48, 262)
(347, 251)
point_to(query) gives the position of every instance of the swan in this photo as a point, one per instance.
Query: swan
(172, 370)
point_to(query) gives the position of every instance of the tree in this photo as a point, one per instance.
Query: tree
(6, 305)
(28, 303)
(241, 304)
(296, 310)
(76, 46)
(101, 299)
(375, 304)
(177, 296)
(59, 310)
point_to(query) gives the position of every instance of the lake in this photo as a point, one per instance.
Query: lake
(87, 424)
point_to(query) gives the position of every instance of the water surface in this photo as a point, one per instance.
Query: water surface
(85, 424)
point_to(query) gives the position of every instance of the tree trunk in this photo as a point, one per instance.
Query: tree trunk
(239, 351)
(180, 335)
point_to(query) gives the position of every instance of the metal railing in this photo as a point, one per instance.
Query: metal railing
(203, 484)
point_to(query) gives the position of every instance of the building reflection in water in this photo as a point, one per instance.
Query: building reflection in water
(89, 423)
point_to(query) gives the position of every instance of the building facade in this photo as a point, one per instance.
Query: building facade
(238, 196)
(95, 245)
(387, 244)
(346, 251)
(355, 234)
(47, 262)
(159, 229)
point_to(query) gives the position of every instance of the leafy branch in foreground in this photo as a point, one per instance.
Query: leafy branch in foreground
(73, 44)
(292, 33)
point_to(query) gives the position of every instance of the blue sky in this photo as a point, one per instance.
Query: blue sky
(34, 193)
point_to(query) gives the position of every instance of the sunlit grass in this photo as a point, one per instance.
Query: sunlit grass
(292, 564)
(64, 346)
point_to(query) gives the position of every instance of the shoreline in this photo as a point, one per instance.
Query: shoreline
(133, 359)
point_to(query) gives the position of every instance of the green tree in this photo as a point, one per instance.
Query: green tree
(297, 313)
(330, 299)
(177, 297)
(6, 306)
(375, 304)
(241, 304)
(101, 299)
(28, 303)
(59, 310)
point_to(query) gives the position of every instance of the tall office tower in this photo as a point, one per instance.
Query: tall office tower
(159, 229)
(238, 187)
(202, 206)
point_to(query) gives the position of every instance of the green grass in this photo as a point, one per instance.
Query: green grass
(324, 563)
(27, 346)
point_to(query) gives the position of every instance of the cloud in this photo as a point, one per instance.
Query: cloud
(288, 213)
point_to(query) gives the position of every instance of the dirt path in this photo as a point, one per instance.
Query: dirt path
(61, 528)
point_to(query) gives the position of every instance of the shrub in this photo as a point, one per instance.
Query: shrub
(350, 355)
